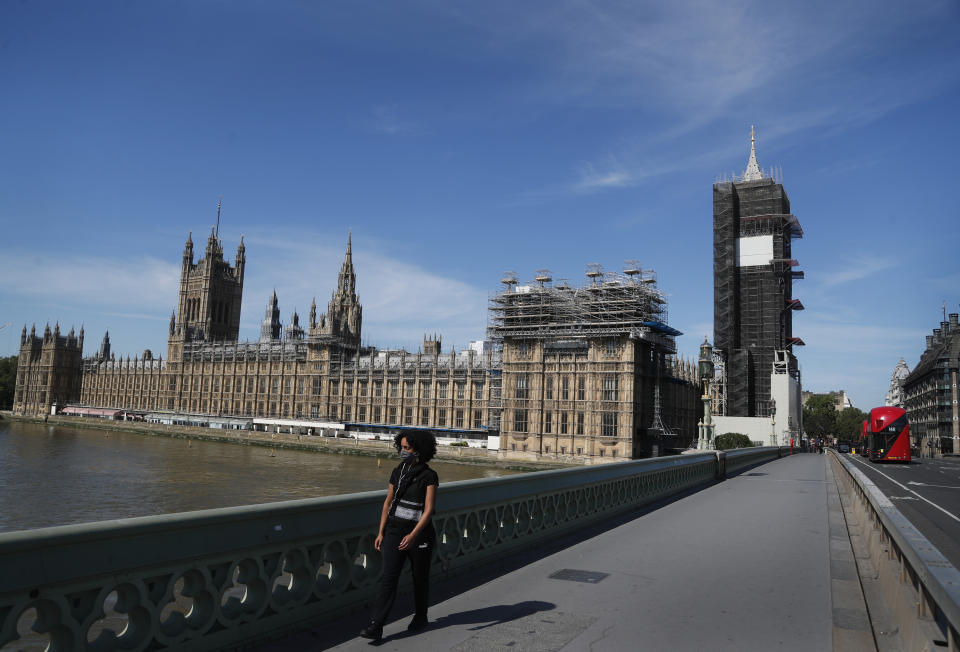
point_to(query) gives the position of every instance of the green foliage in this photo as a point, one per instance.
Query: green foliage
(849, 422)
(459, 443)
(729, 440)
(8, 381)
(820, 415)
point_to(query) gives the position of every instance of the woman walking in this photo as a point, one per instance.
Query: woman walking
(406, 530)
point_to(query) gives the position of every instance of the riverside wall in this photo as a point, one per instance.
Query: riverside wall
(513, 460)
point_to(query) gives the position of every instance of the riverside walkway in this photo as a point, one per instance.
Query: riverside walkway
(760, 561)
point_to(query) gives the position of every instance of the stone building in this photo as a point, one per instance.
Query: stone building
(48, 369)
(599, 390)
(930, 391)
(590, 371)
(894, 396)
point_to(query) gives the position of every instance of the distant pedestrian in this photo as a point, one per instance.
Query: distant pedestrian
(406, 530)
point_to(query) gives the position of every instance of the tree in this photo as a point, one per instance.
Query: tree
(849, 422)
(820, 415)
(8, 381)
(729, 440)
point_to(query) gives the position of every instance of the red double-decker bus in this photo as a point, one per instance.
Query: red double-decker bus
(862, 442)
(888, 435)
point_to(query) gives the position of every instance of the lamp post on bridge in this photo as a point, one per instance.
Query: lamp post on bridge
(773, 422)
(705, 428)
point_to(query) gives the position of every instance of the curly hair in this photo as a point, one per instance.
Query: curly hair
(421, 441)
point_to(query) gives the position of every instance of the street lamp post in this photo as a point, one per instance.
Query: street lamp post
(773, 422)
(705, 428)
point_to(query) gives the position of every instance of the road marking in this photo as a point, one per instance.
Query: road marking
(925, 484)
(954, 517)
(903, 497)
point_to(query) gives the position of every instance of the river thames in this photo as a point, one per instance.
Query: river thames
(53, 475)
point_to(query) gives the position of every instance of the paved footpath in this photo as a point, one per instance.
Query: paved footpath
(742, 565)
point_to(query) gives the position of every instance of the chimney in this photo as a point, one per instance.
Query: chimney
(953, 320)
(929, 341)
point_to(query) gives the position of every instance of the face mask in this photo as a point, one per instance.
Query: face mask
(408, 456)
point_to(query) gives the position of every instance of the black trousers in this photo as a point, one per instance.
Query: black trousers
(393, 561)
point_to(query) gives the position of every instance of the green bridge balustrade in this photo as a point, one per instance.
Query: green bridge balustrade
(224, 577)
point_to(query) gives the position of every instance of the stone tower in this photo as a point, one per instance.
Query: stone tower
(210, 294)
(344, 312)
(753, 274)
(270, 328)
(48, 370)
(432, 345)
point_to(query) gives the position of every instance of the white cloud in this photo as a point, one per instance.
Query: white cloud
(85, 280)
(401, 301)
(387, 120)
(611, 175)
(859, 268)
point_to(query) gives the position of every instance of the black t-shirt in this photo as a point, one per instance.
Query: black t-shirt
(410, 482)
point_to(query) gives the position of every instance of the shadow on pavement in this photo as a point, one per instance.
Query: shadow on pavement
(483, 617)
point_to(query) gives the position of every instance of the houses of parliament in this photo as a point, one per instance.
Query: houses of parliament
(588, 372)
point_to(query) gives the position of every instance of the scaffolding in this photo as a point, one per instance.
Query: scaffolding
(607, 304)
(753, 293)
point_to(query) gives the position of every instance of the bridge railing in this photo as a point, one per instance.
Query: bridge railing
(919, 585)
(216, 578)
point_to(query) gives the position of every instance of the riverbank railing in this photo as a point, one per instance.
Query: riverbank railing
(225, 577)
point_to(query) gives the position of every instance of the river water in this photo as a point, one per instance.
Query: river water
(53, 475)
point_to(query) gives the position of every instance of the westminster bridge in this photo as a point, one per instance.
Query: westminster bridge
(750, 549)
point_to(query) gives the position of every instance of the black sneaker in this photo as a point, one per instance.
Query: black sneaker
(417, 624)
(372, 631)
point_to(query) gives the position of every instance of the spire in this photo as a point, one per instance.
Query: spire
(188, 250)
(212, 241)
(219, 203)
(270, 329)
(752, 173)
(346, 284)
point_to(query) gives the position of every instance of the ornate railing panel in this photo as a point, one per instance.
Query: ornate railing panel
(216, 578)
(742, 458)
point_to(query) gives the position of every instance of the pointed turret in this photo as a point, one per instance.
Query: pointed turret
(23, 335)
(313, 313)
(344, 313)
(173, 321)
(241, 260)
(270, 329)
(294, 331)
(188, 250)
(753, 172)
(104, 351)
(212, 246)
(347, 282)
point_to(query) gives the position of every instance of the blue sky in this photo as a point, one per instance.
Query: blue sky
(459, 140)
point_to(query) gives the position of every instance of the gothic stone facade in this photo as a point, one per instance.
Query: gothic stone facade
(591, 400)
